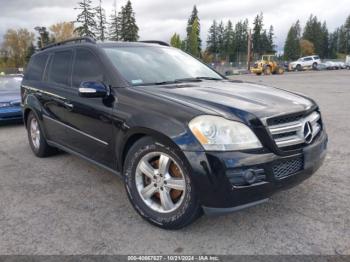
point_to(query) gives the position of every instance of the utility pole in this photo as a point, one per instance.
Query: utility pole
(249, 49)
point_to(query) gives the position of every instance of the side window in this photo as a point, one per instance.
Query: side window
(60, 68)
(86, 67)
(36, 67)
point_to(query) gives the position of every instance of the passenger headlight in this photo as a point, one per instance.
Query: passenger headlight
(219, 134)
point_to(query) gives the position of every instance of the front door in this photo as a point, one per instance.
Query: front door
(89, 120)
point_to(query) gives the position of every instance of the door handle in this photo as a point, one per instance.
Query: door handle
(69, 106)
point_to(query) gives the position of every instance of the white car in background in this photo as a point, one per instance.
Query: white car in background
(306, 62)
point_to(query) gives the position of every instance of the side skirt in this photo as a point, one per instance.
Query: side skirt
(70, 151)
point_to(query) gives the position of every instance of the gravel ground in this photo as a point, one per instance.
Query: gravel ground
(64, 205)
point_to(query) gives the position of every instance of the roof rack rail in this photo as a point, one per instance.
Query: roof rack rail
(76, 40)
(155, 42)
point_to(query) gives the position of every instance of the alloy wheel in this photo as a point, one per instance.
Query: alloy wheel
(35, 133)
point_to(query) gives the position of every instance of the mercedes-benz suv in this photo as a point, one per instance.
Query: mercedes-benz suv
(184, 139)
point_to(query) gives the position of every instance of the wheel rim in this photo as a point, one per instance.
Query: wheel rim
(160, 182)
(35, 133)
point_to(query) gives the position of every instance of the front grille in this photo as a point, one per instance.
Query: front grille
(288, 167)
(296, 130)
(283, 119)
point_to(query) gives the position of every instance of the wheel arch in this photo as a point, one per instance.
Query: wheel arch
(31, 104)
(135, 135)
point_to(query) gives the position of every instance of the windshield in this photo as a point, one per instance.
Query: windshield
(10, 83)
(158, 65)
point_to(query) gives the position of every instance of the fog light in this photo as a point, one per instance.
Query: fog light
(246, 177)
(249, 176)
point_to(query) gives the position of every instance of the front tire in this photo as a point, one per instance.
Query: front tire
(159, 186)
(36, 138)
(267, 70)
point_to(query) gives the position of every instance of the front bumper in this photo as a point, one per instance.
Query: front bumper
(10, 113)
(215, 175)
(256, 70)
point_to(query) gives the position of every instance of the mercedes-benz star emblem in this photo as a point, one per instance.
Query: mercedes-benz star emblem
(308, 132)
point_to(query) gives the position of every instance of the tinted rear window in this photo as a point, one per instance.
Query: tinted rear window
(60, 68)
(36, 67)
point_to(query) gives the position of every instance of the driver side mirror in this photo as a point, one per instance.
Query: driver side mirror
(92, 89)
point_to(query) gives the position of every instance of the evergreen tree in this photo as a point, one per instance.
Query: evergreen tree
(347, 34)
(313, 33)
(191, 20)
(43, 38)
(292, 44)
(325, 41)
(183, 46)
(113, 29)
(192, 41)
(342, 40)
(333, 44)
(127, 27)
(241, 38)
(175, 41)
(85, 19)
(271, 45)
(213, 41)
(258, 35)
(229, 41)
(101, 22)
(221, 45)
(265, 45)
(29, 53)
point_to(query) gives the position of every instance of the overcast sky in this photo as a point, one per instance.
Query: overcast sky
(159, 19)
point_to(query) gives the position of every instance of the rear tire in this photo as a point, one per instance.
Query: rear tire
(314, 66)
(36, 138)
(151, 172)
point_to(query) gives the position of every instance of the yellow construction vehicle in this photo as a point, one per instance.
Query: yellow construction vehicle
(267, 65)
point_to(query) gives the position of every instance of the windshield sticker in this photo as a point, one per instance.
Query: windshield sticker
(136, 82)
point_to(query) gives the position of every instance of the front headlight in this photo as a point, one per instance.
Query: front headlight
(219, 134)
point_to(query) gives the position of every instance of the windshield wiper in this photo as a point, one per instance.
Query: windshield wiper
(180, 80)
(208, 78)
(197, 79)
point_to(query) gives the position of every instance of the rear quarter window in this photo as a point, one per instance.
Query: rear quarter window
(36, 67)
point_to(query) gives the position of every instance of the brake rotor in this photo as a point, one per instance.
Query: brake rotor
(174, 171)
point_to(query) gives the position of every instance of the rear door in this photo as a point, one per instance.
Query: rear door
(89, 120)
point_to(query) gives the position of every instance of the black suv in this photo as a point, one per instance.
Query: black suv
(183, 138)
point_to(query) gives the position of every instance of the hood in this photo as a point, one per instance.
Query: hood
(229, 98)
(9, 95)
